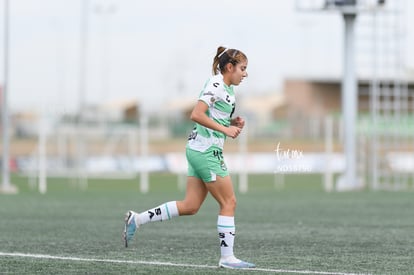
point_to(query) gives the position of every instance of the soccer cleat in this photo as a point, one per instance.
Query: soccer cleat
(130, 226)
(236, 265)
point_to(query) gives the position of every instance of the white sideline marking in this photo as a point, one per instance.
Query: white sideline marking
(51, 257)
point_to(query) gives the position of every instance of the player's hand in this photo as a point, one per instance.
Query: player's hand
(232, 131)
(239, 122)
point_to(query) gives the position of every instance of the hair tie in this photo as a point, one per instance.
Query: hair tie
(225, 50)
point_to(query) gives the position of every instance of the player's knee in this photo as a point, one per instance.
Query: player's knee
(233, 203)
(229, 204)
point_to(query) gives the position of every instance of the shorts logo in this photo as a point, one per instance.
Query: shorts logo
(219, 155)
(223, 165)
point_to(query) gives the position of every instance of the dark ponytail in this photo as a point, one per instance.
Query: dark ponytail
(225, 56)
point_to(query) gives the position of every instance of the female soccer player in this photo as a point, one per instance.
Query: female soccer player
(207, 171)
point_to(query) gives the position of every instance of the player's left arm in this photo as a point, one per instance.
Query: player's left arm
(237, 121)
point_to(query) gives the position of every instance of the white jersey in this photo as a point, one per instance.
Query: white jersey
(221, 105)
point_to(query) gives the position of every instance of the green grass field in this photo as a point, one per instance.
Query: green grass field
(295, 230)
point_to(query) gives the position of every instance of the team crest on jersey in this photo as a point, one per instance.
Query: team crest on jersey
(212, 99)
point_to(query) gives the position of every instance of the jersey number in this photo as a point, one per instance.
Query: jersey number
(233, 105)
(193, 134)
(232, 111)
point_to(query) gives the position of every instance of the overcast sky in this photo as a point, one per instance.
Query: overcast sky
(155, 51)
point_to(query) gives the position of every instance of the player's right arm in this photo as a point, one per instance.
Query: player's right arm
(199, 116)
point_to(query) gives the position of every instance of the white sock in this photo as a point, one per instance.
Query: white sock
(164, 212)
(226, 230)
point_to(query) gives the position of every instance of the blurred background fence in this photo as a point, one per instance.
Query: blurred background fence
(295, 128)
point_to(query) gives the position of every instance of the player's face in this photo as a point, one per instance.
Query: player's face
(239, 72)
